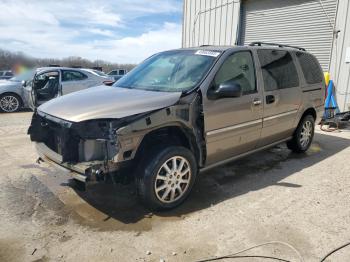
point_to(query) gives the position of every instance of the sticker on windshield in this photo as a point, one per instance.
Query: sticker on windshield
(207, 53)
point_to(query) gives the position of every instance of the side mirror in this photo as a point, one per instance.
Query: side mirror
(24, 83)
(229, 88)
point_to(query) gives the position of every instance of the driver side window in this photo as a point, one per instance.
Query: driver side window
(238, 67)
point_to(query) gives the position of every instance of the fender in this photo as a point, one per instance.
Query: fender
(186, 116)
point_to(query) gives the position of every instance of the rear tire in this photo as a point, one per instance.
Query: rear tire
(165, 178)
(10, 103)
(303, 135)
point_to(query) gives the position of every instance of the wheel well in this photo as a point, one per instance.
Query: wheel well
(310, 111)
(172, 136)
(15, 94)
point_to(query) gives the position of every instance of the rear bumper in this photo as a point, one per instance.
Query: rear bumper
(82, 171)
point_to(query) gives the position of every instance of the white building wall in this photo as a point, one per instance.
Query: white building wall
(340, 69)
(210, 22)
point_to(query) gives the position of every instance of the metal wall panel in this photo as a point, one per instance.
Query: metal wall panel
(340, 69)
(210, 22)
(305, 23)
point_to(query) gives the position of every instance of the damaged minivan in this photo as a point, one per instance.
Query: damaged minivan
(180, 112)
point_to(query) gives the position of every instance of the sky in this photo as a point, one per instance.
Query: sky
(119, 31)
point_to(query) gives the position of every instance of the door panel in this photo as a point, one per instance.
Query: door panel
(73, 81)
(233, 125)
(282, 95)
(71, 86)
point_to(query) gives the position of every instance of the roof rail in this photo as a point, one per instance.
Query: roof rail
(273, 44)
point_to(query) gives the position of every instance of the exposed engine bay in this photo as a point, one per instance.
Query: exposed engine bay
(101, 149)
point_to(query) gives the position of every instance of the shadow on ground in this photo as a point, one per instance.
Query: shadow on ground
(239, 177)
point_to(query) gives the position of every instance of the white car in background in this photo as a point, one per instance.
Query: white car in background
(6, 74)
(52, 82)
(117, 73)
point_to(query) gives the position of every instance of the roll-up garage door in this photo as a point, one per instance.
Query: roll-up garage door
(304, 23)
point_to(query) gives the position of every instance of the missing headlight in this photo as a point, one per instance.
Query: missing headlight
(90, 150)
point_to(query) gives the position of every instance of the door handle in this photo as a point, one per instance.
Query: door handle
(256, 102)
(270, 99)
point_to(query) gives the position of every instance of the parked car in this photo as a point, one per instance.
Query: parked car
(52, 82)
(11, 92)
(117, 73)
(182, 111)
(110, 80)
(6, 74)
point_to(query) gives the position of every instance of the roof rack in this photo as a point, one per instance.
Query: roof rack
(273, 44)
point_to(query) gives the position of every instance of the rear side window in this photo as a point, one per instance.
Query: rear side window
(278, 69)
(72, 76)
(310, 67)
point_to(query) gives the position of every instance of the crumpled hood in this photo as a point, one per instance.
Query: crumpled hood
(107, 102)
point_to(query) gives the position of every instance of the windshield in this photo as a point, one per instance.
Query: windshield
(172, 71)
(27, 75)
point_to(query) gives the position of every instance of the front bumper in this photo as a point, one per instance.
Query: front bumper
(84, 172)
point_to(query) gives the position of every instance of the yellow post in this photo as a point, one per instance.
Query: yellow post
(327, 77)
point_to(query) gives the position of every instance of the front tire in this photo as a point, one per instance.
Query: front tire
(10, 103)
(165, 179)
(303, 135)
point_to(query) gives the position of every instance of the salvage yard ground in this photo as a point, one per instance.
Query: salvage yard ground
(273, 195)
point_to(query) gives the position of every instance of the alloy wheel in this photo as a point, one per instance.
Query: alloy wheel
(173, 179)
(9, 103)
(306, 134)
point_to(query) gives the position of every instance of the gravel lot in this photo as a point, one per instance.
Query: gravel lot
(270, 196)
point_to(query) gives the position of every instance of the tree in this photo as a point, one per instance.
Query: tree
(8, 60)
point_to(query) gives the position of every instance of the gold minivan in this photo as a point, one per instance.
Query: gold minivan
(180, 112)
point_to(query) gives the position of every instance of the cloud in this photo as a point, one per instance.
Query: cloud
(90, 29)
(11, 13)
(123, 50)
(129, 49)
(135, 49)
(103, 32)
(102, 16)
(142, 7)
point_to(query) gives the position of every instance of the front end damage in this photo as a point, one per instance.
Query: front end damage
(104, 149)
